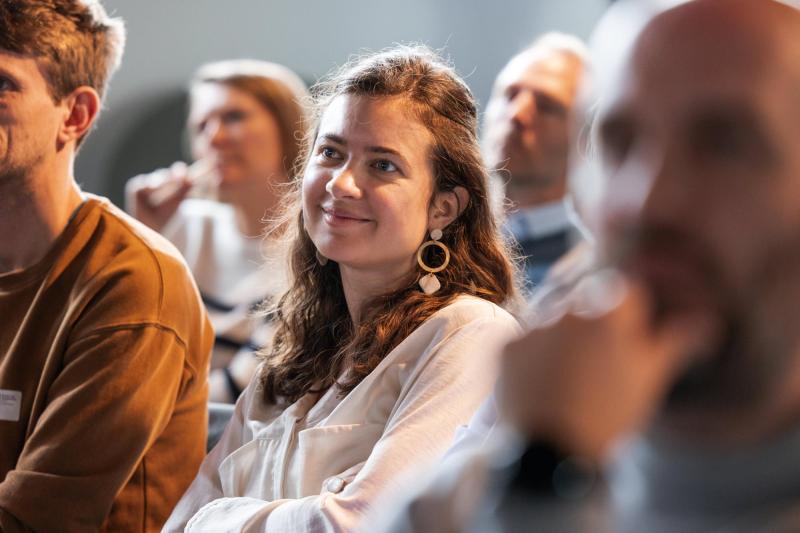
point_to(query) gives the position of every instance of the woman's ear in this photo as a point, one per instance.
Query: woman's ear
(446, 206)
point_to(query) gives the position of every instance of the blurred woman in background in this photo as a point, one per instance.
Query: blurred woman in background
(246, 121)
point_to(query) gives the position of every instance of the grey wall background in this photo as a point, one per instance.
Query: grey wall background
(167, 39)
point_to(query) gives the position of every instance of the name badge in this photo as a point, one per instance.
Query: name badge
(10, 402)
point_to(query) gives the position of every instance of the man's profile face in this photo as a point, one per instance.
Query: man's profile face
(29, 117)
(699, 142)
(527, 119)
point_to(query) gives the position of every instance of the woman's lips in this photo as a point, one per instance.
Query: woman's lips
(338, 217)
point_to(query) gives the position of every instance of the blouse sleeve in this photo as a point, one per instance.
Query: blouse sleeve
(207, 487)
(442, 391)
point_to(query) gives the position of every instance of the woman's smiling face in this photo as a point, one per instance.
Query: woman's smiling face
(368, 184)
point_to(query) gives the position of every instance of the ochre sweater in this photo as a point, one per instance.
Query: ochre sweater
(104, 353)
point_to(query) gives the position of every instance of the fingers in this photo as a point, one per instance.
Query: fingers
(170, 193)
(153, 198)
(167, 185)
(687, 338)
(600, 293)
(600, 369)
(608, 295)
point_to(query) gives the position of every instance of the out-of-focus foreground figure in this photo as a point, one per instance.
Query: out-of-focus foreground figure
(526, 142)
(678, 366)
(104, 342)
(246, 124)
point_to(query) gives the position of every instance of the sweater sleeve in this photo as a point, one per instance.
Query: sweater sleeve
(441, 391)
(112, 399)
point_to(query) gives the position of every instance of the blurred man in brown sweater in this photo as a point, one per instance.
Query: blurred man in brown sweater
(104, 343)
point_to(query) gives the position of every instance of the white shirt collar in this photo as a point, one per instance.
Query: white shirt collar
(541, 220)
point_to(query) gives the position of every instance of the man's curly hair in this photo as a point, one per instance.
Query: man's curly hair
(75, 42)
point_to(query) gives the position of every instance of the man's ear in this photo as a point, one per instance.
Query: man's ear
(446, 206)
(81, 108)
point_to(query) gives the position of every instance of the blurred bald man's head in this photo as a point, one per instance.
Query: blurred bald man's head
(698, 137)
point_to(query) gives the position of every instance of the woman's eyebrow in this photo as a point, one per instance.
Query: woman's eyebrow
(332, 137)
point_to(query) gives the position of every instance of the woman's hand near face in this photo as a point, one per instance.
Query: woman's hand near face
(153, 198)
(599, 371)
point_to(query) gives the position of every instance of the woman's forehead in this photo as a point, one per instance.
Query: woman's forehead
(369, 120)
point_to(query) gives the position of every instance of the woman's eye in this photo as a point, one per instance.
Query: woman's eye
(328, 152)
(385, 165)
(233, 117)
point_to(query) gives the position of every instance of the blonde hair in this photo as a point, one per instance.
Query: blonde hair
(279, 90)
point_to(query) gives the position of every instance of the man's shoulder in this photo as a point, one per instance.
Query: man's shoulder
(133, 271)
(127, 233)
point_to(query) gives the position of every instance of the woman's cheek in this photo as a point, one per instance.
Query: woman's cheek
(308, 197)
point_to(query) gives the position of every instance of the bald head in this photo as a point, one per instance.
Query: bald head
(762, 20)
(719, 36)
(703, 58)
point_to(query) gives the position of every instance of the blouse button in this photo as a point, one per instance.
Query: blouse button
(334, 485)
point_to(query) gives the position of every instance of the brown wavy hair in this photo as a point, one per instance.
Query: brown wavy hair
(316, 344)
(74, 42)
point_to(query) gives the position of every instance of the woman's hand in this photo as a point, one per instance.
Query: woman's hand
(153, 198)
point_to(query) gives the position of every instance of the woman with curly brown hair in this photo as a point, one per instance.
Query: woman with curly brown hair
(383, 337)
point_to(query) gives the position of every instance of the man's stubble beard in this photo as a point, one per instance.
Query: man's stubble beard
(758, 345)
(15, 180)
(723, 377)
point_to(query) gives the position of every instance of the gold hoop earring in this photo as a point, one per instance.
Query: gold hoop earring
(429, 283)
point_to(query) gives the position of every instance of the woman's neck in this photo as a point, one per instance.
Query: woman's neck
(360, 285)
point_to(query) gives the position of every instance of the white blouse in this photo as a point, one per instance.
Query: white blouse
(317, 466)
(234, 274)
